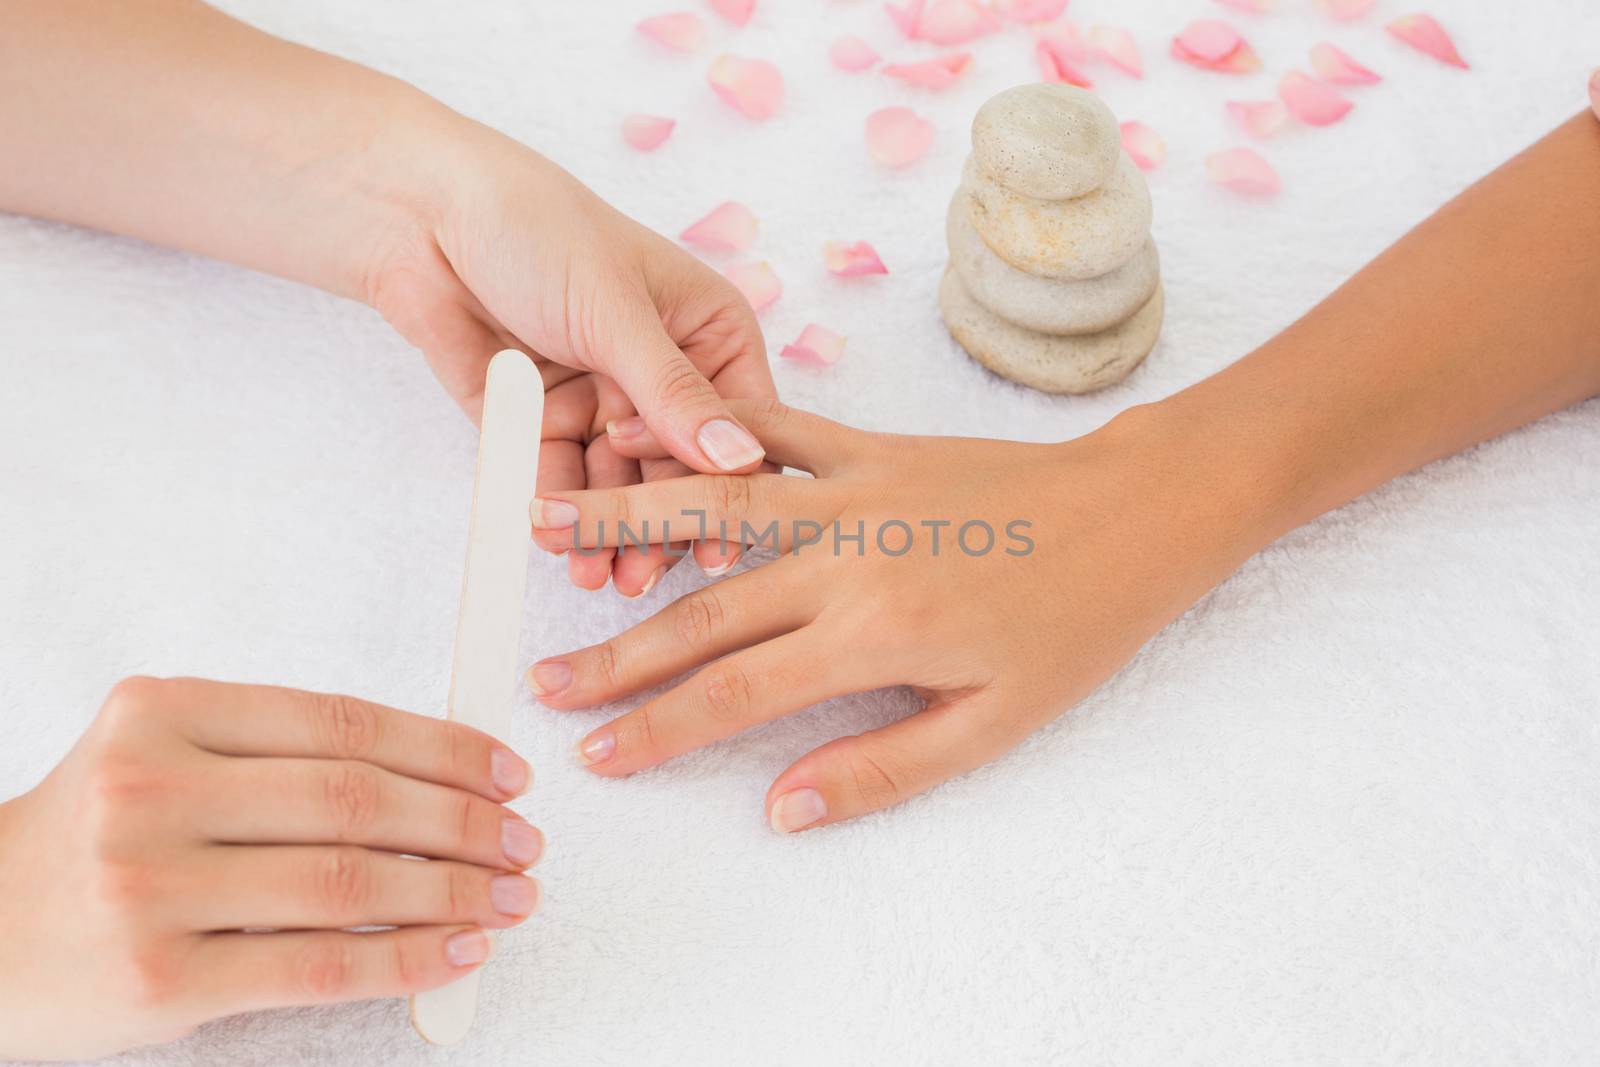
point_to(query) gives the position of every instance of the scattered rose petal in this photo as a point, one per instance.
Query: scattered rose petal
(729, 228)
(852, 54)
(1243, 171)
(956, 22)
(1336, 66)
(1115, 45)
(1255, 7)
(1426, 35)
(753, 87)
(852, 260)
(1030, 10)
(816, 346)
(757, 282)
(1313, 102)
(646, 132)
(737, 12)
(681, 31)
(896, 137)
(1345, 10)
(937, 73)
(906, 18)
(1214, 45)
(1143, 145)
(1260, 118)
(1055, 65)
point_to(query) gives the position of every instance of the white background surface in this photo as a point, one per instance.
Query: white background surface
(1345, 810)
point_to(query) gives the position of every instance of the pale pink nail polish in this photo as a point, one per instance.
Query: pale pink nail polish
(520, 842)
(797, 809)
(649, 583)
(728, 445)
(509, 772)
(552, 514)
(514, 894)
(548, 679)
(466, 948)
(597, 749)
(632, 426)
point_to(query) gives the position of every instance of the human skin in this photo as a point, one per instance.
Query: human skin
(191, 811)
(169, 121)
(1481, 319)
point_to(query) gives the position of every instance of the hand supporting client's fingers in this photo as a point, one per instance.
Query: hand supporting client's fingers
(1002, 581)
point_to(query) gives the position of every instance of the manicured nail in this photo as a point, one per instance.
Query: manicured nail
(597, 749)
(519, 841)
(509, 771)
(632, 426)
(797, 810)
(514, 894)
(649, 583)
(466, 948)
(551, 514)
(728, 445)
(729, 556)
(548, 679)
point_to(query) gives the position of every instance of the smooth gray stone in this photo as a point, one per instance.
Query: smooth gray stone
(1063, 239)
(1077, 363)
(1045, 304)
(1051, 142)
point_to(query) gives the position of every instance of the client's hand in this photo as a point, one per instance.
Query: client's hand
(191, 812)
(1002, 581)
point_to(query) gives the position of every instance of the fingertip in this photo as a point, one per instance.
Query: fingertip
(468, 948)
(797, 809)
(729, 447)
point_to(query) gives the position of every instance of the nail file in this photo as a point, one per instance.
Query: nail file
(483, 674)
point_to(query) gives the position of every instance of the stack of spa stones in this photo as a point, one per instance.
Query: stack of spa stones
(1053, 279)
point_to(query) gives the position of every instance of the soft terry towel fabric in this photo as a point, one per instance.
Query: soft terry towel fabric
(1345, 810)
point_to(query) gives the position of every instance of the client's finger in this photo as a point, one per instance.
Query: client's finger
(793, 438)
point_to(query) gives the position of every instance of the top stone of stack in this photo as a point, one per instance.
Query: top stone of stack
(1050, 142)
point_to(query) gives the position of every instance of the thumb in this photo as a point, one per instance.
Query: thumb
(681, 408)
(878, 769)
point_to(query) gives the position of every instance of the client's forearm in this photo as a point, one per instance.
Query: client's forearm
(1481, 319)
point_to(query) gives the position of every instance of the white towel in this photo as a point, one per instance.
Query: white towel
(1345, 810)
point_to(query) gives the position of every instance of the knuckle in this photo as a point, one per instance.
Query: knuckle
(324, 968)
(154, 977)
(134, 697)
(727, 694)
(343, 883)
(646, 731)
(409, 969)
(348, 727)
(462, 753)
(879, 782)
(463, 892)
(606, 662)
(768, 413)
(700, 617)
(728, 495)
(353, 795)
(126, 885)
(676, 384)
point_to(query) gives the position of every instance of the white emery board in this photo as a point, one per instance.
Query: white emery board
(483, 674)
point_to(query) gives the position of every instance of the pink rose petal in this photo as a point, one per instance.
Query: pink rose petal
(1313, 102)
(937, 73)
(1143, 145)
(1115, 45)
(816, 346)
(1243, 171)
(729, 228)
(906, 18)
(1254, 7)
(737, 12)
(852, 54)
(1426, 35)
(1030, 10)
(757, 282)
(956, 22)
(753, 87)
(852, 260)
(681, 31)
(1054, 65)
(646, 132)
(896, 137)
(1336, 66)
(1345, 10)
(1260, 118)
(1209, 40)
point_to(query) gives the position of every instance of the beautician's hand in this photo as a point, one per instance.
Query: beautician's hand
(191, 811)
(1090, 548)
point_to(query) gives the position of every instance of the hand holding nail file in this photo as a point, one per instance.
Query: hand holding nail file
(483, 675)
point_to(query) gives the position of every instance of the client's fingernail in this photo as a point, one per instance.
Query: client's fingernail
(728, 445)
(797, 810)
(514, 894)
(551, 514)
(519, 841)
(597, 749)
(509, 771)
(548, 679)
(649, 583)
(632, 426)
(722, 563)
(467, 947)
